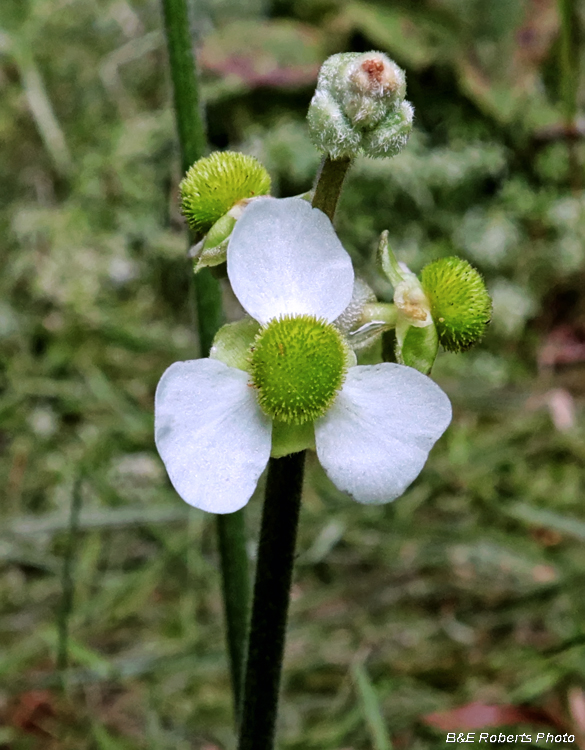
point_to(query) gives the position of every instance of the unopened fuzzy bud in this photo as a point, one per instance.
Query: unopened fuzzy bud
(358, 107)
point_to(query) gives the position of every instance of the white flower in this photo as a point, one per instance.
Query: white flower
(284, 259)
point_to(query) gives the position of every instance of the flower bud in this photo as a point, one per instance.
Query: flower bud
(460, 304)
(217, 183)
(359, 108)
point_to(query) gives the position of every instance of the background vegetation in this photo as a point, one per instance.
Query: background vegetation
(469, 589)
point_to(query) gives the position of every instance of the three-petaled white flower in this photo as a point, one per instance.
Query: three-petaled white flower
(285, 263)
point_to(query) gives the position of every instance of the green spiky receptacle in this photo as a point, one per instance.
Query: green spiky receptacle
(216, 183)
(460, 304)
(297, 365)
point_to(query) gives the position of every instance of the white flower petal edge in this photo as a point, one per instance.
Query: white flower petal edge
(375, 439)
(284, 258)
(210, 433)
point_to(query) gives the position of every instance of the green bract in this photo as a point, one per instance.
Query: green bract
(460, 304)
(216, 183)
(298, 365)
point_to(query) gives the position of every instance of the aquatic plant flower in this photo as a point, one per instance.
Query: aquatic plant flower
(372, 426)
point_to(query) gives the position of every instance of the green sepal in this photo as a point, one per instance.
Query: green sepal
(419, 348)
(211, 257)
(212, 251)
(232, 343)
(219, 232)
(387, 262)
(291, 438)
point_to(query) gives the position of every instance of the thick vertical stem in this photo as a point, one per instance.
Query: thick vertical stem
(271, 597)
(230, 529)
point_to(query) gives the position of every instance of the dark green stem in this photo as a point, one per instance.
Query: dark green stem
(67, 579)
(231, 534)
(231, 530)
(274, 571)
(185, 84)
(329, 183)
(569, 82)
(209, 308)
(569, 58)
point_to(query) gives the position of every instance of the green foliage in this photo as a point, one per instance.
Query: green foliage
(471, 585)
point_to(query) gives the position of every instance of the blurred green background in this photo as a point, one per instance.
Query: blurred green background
(469, 589)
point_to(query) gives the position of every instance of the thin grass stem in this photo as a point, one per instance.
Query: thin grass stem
(68, 579)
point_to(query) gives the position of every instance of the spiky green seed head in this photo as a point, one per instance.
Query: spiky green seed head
(460, 304)
(298, 365)
(218, 182)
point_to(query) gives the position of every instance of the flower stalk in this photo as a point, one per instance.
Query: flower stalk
(274, 571)
(276, 550)
(329, 184)
(192, 139)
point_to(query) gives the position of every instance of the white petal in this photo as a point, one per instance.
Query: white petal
(211, 434)
(375, 439)
(284, 258)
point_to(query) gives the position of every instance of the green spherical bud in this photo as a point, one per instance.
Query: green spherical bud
(298, 365)
(218, 182)
(460, 304)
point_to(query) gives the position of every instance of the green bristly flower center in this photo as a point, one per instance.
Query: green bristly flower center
(298, 365)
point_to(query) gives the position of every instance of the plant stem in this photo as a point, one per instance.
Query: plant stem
(274, 570)
(67, 581)
(231, 534)
(185, 84)
(230, 528)
(276, 550)
(569, 82)
(193, 145)
(329, 183)
(569, 58)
